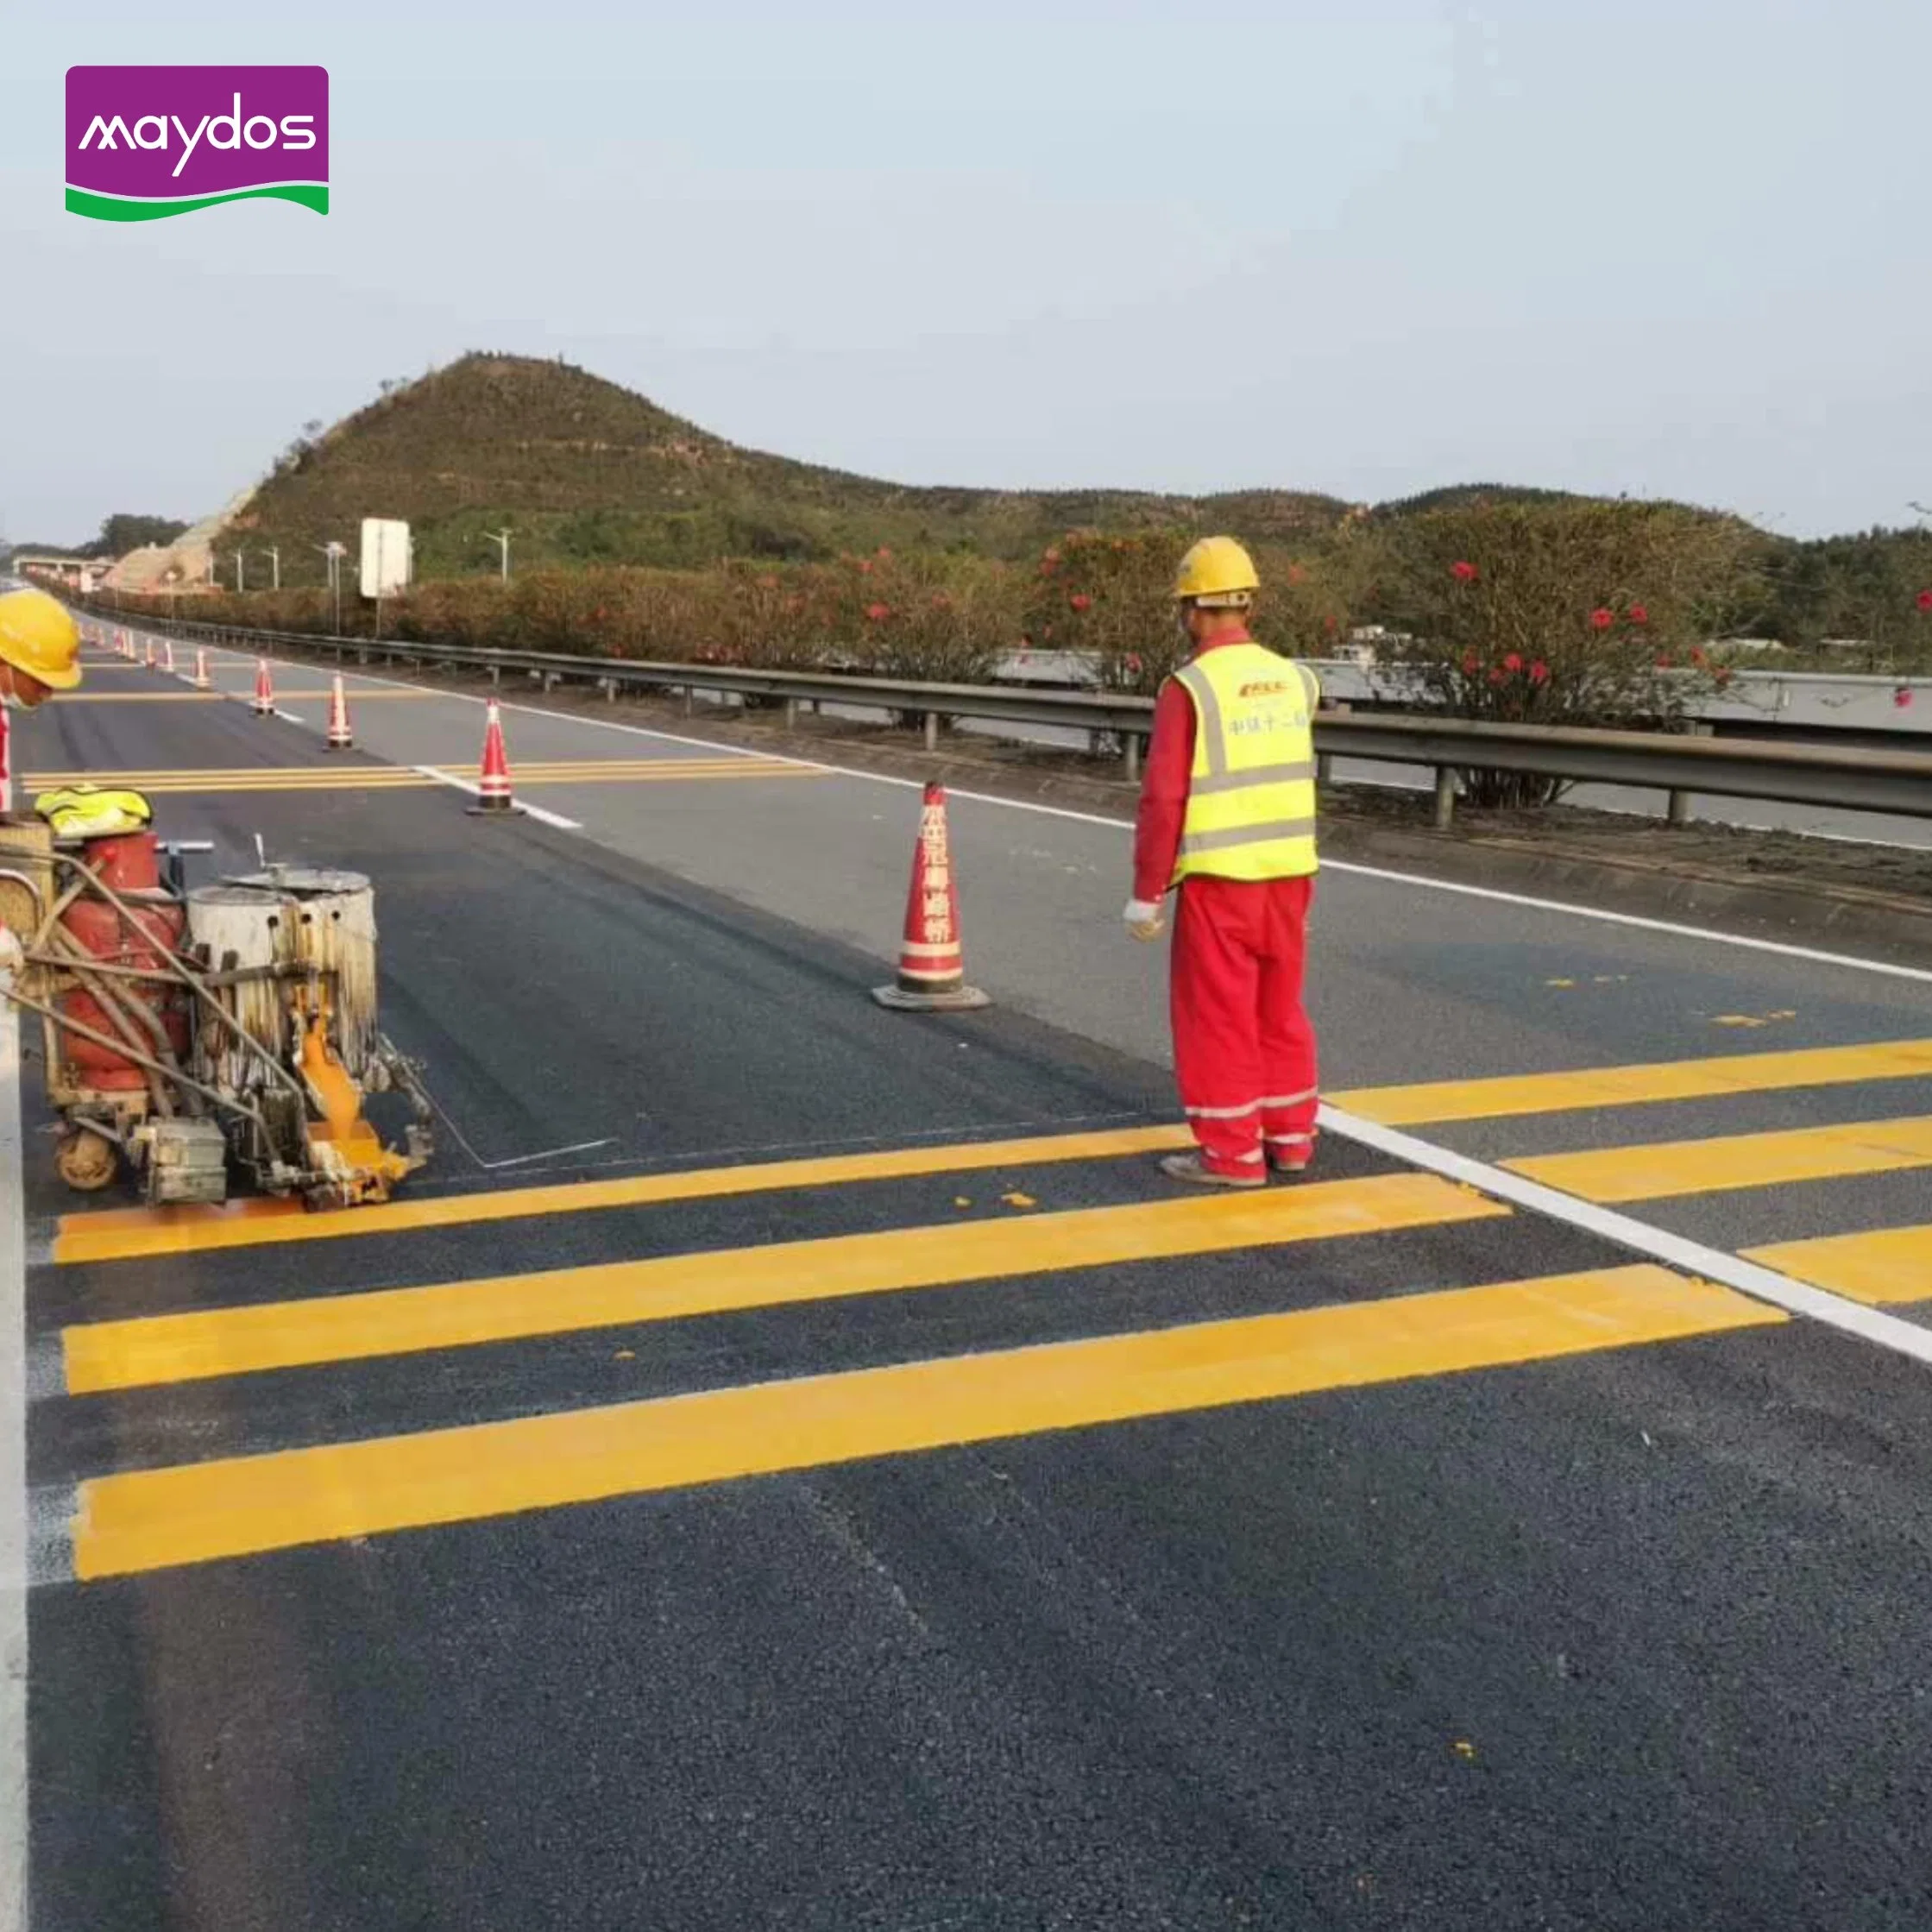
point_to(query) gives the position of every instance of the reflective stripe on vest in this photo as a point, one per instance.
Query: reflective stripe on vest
(1251, 797)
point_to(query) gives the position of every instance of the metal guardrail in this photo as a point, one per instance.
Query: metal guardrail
(1895, 783)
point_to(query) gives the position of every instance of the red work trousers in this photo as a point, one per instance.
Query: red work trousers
(1244, 1050)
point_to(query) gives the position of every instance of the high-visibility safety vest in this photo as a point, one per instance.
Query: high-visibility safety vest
(1251, 800)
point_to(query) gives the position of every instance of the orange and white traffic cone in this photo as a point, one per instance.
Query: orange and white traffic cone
(339, 737)
(200, 670)
(150, 653)
(167, 656)
(264, 704)
(494, 795)
(932, 959)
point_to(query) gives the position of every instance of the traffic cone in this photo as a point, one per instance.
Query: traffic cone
(150, 653)
(264, 690)
(339, 737)
(932, 961)
(167, 656)
(200, 670)
(494, 795)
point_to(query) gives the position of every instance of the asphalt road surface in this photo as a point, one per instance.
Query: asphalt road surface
(791, 1464)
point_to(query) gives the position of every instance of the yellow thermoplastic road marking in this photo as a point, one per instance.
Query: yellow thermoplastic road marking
(200, 1513)
(127, 1234)
(1662, 1169)
(459, 1314)
(357, 694)
(1888, 1264)
(368, 777)
(1622, 1086)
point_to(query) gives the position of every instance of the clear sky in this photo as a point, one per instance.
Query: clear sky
(1362, 246)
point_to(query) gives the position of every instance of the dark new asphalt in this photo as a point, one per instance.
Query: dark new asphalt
(1637, 1640)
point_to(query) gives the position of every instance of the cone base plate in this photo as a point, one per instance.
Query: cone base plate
(954, 1000)
(505, 810)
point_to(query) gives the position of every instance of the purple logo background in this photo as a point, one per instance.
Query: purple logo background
(185, 99)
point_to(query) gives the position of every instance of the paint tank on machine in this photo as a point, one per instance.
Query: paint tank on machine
(141, 939)
(304, 921)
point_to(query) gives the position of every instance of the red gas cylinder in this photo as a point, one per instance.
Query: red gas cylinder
(143, 936)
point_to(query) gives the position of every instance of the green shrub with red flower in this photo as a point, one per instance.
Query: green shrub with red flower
(1107, 595)
(1565, 613)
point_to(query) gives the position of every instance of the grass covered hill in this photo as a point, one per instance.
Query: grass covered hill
(585, 471)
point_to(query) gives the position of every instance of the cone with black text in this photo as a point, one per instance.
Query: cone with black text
(339, 737)
(264, 703)
(494, 795)
(932, 958)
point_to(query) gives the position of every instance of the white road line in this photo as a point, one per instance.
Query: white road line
(1692, 1257)
(1710, 935)
(14, 1540)
(536, 811)
(1782, 947)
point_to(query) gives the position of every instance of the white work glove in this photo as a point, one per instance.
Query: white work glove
(1144, 919)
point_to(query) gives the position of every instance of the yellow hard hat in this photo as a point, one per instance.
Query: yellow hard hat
(1216, 571)
(39, 636)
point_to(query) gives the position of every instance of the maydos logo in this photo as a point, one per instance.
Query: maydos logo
(143, 143)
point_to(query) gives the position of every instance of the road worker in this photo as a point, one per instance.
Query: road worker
(1227, 820)
(40, 654)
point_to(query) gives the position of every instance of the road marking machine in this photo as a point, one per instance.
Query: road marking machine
(195, 1035)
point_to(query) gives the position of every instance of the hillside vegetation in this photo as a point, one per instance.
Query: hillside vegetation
(591, 478)
(584, 471)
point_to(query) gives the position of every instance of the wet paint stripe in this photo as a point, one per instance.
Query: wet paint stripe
(1660, 1169)
(228, 697)
(378, 778)
(128, 1234)
(1883, 1265)
(201, 1513)
(210, 1343)
(1621, 1086)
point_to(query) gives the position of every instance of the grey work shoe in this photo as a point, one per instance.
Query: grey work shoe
(1190, 1166)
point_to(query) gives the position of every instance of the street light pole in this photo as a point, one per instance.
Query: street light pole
(275, 555)
(501, 539)
(335, 553)
(239, 573)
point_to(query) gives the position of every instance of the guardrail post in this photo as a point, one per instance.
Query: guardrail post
(1445, 796)
(1324, 767)
(791, 713)
(1132, 754)
(1678, 812)
(691, 700)
(932, 731)
(496, 674)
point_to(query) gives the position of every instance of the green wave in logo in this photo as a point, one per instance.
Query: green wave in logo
(118, 208)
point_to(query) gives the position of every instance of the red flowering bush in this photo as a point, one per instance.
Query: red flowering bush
(1564, 612)
(1108, 595)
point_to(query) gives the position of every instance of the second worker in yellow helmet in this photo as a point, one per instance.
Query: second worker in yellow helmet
(1227, 822)
(40, 654)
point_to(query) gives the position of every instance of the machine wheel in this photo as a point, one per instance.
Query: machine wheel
(86, 1162)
